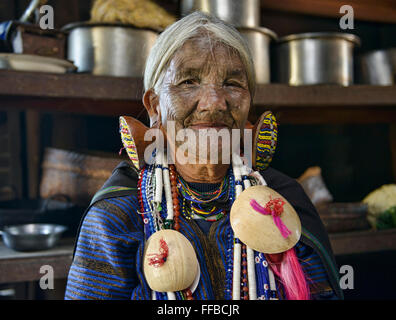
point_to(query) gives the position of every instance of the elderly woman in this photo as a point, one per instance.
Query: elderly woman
(199, 76)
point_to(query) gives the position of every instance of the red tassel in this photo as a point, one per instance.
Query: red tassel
(275, 206)
(158, 259)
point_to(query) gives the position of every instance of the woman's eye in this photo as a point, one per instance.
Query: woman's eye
(232, 84)
(188, 82)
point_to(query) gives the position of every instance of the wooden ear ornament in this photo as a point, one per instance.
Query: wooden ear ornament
(132, 135)
(265, 138)
(265, 221)
(170, 263)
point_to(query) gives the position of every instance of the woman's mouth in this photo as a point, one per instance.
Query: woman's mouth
(208, 125)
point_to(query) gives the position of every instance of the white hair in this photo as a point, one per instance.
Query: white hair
(174, 36)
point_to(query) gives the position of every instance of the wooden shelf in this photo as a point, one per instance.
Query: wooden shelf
(320, 104)
(72, 93)
(368, 10)
(102, 95)
(72, 85)
(363, 241)
(25, 266)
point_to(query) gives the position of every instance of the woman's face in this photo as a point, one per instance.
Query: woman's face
(205, 87)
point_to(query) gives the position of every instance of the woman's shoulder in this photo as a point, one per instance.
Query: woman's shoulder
(294, 193)
(282, 183)
(121, 212)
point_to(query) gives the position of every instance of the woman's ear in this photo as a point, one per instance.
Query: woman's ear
(151, 103)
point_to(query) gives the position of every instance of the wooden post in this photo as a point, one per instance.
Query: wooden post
(33, 154)
(14, 147)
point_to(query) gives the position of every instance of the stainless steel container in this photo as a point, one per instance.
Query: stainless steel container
(240, 13)
(378, 67)
(32, 237)
(316, 58)
(114, 50)
(259, 40)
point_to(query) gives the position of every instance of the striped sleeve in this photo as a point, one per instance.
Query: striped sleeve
(104, 265)
(315, 273)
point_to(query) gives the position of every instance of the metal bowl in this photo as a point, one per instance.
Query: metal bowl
(109, 49)
(316, 58)
(32, 237)
(378, 67)
(244, 13)
(259, 40)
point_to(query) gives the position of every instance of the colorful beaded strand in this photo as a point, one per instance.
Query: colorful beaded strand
(262, 276)
(229, 261)
(251, 270)
(145, 206)
(187, 294)
(230, 242)
(244, 279)
(142, 195)
(175, 200)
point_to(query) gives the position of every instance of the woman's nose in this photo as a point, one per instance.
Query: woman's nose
(212, 98)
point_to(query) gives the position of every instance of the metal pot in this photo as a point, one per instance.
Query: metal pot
(32, 237)
(56, 209)
(244, 13)
(109, 49)
(316, 58)
(258, 40)
(378, 67)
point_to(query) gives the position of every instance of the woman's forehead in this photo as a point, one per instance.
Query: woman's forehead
(204, 52)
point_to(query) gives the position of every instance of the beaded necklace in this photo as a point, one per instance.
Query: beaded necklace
(202, 197)
(247, 272)
(210, 205)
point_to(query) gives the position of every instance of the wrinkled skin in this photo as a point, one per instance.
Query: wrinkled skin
(205, 86)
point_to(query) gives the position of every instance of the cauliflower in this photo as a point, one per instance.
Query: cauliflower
(379, 201)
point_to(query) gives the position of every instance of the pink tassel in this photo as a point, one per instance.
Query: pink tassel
(285, 265)
(275, 208)
(291, 275)
(282, 228)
